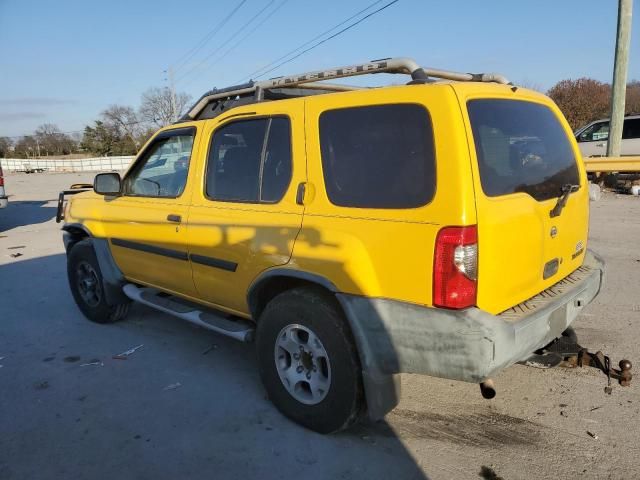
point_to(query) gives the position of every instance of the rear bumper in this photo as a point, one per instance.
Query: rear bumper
(469, 345)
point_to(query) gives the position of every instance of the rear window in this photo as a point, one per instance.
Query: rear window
(380, 156)
(521, 147)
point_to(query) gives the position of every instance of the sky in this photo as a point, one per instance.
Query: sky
(65, 61)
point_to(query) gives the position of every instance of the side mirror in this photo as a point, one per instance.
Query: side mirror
(107, 184)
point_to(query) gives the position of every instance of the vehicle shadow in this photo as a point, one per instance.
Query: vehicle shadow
(22, 213)
(188, 401)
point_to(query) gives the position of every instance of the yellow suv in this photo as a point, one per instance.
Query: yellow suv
(438, 227)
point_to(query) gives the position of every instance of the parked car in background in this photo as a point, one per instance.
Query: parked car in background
(592, 139)
(3, 197)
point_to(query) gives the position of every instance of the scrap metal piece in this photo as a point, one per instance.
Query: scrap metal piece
(124, 355)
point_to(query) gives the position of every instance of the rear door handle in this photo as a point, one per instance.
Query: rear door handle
(599, 144)
(174, 218)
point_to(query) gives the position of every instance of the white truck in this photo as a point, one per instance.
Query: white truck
(592, 138)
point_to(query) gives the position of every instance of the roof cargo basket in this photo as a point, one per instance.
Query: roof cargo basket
(281, 87)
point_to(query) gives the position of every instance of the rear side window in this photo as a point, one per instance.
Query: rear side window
(521, 147)
(378, 157)
(631, 128)
(250, 161)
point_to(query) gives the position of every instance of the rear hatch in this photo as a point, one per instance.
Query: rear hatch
(531, 197)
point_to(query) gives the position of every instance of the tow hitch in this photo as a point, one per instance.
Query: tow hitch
(567, 352)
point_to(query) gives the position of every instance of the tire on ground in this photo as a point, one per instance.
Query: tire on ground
(319, 312)
(80, 260)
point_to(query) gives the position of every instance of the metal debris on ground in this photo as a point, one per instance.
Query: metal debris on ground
(592, 435)
(173, 386)
(16, 247)
(595, 408)
(97, 363)
(124, 355)
(212, 347)
(16, 255)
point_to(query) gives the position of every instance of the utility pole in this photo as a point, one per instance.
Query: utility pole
(620, 68)
(172, 90)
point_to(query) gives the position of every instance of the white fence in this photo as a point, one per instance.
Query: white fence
(66, 165)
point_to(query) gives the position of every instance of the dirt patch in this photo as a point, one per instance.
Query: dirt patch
(474, 429)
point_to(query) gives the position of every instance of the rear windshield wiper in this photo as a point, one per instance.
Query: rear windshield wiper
(567, 189)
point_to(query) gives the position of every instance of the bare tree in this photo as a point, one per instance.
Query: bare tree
(531, 85)
(51, 141)
(126, 120)
(582, 100)
(5, 147)
(157, 106)
(632, 105)
(26, 147)
(585, 99)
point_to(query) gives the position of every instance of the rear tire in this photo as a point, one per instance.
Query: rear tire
(323, 392)
(87, 285)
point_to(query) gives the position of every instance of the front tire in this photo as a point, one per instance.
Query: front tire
(87, 285)
(308, 361)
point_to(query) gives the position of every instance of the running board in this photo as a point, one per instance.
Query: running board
(238, 329)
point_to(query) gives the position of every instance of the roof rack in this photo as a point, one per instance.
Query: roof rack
(252, 91)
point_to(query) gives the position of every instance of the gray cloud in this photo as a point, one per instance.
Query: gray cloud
(41, 101)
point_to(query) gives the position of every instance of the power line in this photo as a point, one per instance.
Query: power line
(329, 38)
(185, 58)
(234, 46)
(310, 41)
(235, 34)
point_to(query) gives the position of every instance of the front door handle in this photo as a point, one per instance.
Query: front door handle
(599, 144)
(174, 218)
(302, 187)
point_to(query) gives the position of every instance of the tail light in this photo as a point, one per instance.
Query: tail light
(455, 267)
(1, 178)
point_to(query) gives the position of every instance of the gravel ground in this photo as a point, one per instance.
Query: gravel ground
(60, 419)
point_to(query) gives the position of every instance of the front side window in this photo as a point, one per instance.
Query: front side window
(521, 147)
(162, 172)
(378, 156)
(250, 161)
(596, 132)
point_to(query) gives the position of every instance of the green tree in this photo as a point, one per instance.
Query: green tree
(107, 139)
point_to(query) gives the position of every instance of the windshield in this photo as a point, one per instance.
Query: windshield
(521, 147)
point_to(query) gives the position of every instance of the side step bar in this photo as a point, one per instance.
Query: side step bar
(238, 329)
